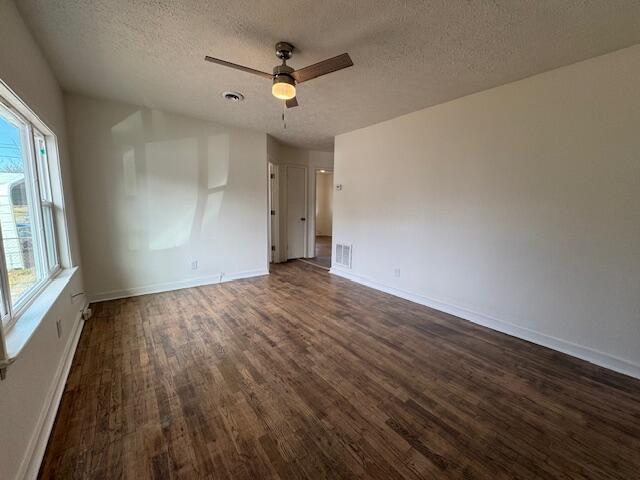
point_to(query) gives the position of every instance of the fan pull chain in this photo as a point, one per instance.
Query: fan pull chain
(284, 123)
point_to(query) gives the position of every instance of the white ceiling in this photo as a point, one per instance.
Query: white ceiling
(408, 54)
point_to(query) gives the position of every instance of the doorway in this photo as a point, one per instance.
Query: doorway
(323, 218)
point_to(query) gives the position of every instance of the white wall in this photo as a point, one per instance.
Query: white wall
(158, 191)
(30, 386)
(324, 203)
(517, 207)
(313, 160)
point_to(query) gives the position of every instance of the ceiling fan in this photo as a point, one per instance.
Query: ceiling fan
(286, 78)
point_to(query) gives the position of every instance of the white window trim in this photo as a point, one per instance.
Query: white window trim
(32, 187)
(26, 316)
(15, 339)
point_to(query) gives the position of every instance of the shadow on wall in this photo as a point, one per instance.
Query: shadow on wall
(172, 189)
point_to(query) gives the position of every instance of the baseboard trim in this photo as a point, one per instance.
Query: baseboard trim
(309, 262)
(171, 286)
(37, 445)
(584, 353)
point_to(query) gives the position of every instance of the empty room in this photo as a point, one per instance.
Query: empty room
(319, 239)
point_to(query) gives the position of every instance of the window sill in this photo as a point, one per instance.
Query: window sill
(18, 335)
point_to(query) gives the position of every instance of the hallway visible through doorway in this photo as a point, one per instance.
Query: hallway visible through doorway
(322, 256)
(323, 218)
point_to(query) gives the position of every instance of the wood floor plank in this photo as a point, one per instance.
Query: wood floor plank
(304, 375)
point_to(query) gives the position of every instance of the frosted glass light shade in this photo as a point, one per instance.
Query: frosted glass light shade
(283, 90)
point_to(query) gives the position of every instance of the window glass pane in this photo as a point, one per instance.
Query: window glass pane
(17, 215)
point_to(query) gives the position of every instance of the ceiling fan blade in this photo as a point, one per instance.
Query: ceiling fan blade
(322, 68)
(292, 102)
(239, 67)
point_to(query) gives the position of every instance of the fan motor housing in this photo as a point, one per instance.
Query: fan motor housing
(282, 74)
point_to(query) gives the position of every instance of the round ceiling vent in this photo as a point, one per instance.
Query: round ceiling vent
(233, 96)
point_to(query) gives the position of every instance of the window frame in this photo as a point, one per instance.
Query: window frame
(44, 177)
(10, 313)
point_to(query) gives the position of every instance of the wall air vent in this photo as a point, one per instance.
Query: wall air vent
(343, 255)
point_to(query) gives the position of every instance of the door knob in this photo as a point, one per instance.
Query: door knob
(302, 219)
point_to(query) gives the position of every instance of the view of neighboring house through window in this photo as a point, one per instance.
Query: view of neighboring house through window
(26, 211)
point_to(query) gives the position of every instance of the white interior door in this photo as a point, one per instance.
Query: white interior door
(296, 211)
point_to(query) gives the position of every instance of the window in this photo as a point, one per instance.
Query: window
(28, 256)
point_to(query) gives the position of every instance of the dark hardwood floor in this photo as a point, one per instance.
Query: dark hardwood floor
(304, 375)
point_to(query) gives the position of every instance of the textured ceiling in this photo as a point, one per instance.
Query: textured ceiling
(408, 54)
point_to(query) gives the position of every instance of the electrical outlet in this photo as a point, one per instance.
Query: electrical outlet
(396, 272)
(194, 265)
(59, 327)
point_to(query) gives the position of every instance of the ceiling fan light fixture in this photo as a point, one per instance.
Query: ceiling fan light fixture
(284, 77)
(284, 87)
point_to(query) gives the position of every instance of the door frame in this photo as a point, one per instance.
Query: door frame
(312, 244)
(286, 209)
(273, 221)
